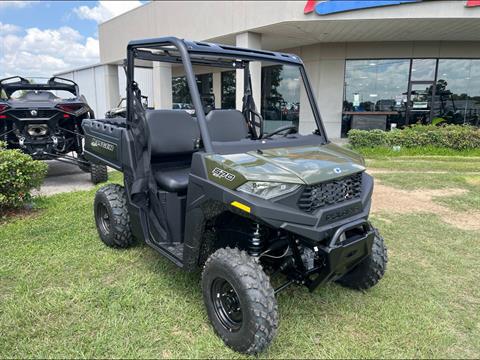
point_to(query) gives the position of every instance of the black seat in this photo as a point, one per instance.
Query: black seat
(226, 125)
(173, 139)
(172, 179)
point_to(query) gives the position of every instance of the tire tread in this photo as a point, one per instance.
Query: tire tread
(98, 173)
(115, 196)
(369, 272)
(258, 288)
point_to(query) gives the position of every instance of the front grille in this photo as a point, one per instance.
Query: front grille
(329, 193)
(26, 114)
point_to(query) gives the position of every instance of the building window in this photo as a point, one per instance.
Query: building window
(423, 69)
(280, 96)
(181, 98)
(228, 89)
(376, 91)
(381, 94)
(458, 92)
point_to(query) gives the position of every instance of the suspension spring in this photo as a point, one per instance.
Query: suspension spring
(256, 241)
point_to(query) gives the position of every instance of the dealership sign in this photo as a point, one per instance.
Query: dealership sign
(336, 6)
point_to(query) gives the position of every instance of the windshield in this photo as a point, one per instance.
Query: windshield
(241, 98)
(39, 95)
(278, 99)
(282, 89)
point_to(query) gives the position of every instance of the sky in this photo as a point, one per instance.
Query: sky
(40, 38)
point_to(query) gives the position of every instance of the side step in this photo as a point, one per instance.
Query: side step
(168, 243)
(172, 251)
(176, 249)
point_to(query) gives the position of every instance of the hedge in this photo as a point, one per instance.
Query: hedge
(19, 174)
(457, 137)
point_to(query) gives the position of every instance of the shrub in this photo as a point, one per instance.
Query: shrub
(19, 174)
(457, 137)
(363, 138)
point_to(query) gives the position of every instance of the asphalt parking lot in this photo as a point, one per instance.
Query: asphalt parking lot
(63, 177)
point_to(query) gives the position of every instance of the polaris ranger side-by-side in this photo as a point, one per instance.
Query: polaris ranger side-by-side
(211, 190)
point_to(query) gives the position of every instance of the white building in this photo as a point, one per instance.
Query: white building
(371, 66)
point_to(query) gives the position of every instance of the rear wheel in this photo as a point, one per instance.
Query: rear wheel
(240, 301)
(84, 165)
(371, 270)
(98, 173)
(111, 216)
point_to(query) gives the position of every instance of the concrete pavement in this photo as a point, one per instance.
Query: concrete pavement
(62, 177)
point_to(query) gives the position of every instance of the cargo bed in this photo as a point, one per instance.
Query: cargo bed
(103, 141)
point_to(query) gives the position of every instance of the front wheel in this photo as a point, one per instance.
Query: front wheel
(240, 300)
(371, 270)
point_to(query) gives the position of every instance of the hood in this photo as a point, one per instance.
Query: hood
(314, 164)
(301, 164)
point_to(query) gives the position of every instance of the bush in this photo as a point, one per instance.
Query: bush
(364, 138)
(19, 174)
(457, 137)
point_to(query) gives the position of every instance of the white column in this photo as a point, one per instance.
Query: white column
(217, 89)
(327, 78)
(330, 94)
(112, 95)
(252, 41)
(162, 85)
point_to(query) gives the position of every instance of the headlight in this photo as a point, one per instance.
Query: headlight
(267, 190)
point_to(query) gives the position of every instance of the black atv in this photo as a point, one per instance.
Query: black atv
(121, 109)
(214, 192)
(44, 120)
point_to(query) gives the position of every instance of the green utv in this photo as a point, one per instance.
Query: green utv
(211, 189)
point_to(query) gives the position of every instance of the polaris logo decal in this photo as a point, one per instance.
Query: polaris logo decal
(102, 144)
(222, 174)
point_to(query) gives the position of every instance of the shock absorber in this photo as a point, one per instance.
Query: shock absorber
(257, 241)
(78, 140)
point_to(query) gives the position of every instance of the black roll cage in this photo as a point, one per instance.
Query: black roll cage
(54, 83)
(240, 60)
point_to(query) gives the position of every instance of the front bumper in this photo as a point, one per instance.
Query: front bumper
(350, 244)
(340, 235)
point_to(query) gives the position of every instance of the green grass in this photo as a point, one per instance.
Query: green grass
(423, 181)
(427, 164)
(64, 294)
(418, 172)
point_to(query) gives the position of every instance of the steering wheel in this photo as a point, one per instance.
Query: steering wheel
(288, 129)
